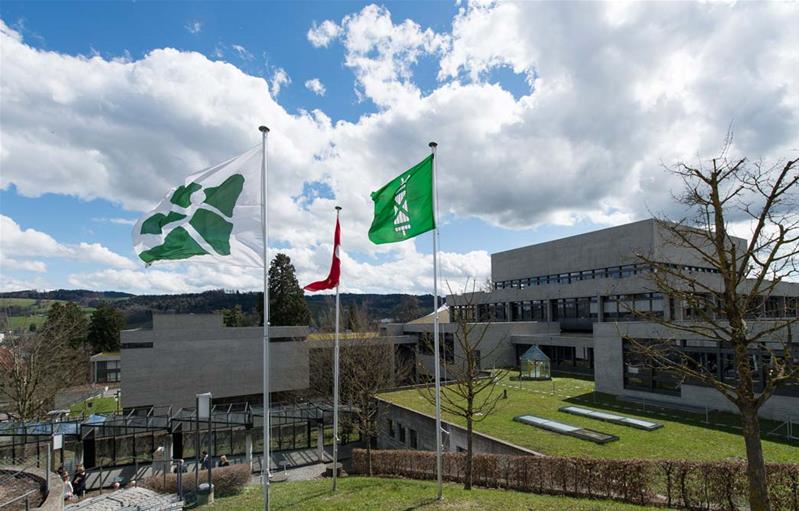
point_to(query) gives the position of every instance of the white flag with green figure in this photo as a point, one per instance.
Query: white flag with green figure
(215, 215)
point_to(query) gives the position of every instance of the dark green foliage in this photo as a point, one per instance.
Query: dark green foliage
(236, 317)
(106, 322)
(287, 305)
(138, 309)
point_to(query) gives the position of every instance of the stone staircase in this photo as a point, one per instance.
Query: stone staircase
(129, 499)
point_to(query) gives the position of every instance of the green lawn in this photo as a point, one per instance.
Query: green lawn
(357, 493)
(98, 405)
(684, 436)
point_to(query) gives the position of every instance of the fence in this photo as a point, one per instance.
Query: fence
(681, 484)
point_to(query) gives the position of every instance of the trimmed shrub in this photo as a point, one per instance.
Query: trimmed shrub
(683, 484)
(227, 481)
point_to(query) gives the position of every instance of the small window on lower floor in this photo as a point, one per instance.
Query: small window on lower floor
(402, 434)
(391, 431)
(414, 441)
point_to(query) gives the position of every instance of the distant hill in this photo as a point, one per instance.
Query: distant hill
(138, 308)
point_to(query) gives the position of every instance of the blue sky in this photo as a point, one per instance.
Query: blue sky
(553, 119)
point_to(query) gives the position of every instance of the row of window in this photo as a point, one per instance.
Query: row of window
(403, 434)
(614, 308)
(610, 272)
(424, 340)
(642, 374)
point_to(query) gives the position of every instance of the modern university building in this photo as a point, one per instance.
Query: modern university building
(580, 298)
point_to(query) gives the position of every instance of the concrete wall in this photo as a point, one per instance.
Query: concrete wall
(598, 249)
(609, 372)
(425, 427)
(194, 353)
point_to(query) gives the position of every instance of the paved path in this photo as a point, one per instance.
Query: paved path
(129, 499)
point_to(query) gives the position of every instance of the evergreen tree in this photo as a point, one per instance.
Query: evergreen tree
(287, 305)
(104, 327)
(234, 317)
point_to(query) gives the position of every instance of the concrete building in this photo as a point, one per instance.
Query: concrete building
(577, 298)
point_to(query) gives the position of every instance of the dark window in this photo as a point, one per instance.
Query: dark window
(391, 432)
(642, 374)
(136, 345)
(402, 434)
(414, 440)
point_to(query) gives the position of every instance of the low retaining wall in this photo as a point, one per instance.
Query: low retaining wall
(55, 498)
(424, 427)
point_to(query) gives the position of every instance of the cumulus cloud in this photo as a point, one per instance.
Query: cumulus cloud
(381, 53)
(280, 78)
(16, 241)
(613, 93)
(321, 35)
(316, 86)
(24, 265)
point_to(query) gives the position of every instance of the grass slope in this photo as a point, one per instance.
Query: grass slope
(684, 436)
(98, 405)
(400, 494)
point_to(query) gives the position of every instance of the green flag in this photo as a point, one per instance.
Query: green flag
(404, 207)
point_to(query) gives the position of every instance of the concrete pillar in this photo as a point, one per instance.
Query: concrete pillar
(79, 453)
(600, 308)
(248, 448)
(168, 454)
(320, 441)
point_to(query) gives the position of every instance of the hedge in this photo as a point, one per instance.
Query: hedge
(680, 484)
(227, 481)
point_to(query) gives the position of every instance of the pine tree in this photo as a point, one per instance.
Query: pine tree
(287, 305)
(104, 327)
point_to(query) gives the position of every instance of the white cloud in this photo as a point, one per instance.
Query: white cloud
(315, 86)
(280, 78)
(242, 52)
(194, 27)
(115, 220)
(614, 93)
(381, 53)
(16, 241)
(23, 265)
(321, 35)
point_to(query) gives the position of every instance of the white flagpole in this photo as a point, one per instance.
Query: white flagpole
(335, 379)
(436, 347)
(265, 464)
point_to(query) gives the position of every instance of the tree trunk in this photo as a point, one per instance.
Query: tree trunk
(756, 466)
(467, 482)
(369, 454)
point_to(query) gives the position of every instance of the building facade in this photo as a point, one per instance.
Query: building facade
(578, 298)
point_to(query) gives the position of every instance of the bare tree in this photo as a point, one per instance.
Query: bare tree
(367, 365)
(738, 305)
(35, 365)
(470, 393)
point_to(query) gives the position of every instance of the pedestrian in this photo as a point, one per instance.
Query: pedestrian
(206, 461)
(79, 481)
(223, 462)
(69, 494)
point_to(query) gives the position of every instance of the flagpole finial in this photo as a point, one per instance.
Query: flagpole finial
(263, 129)
(338, 208)
(433, 145)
